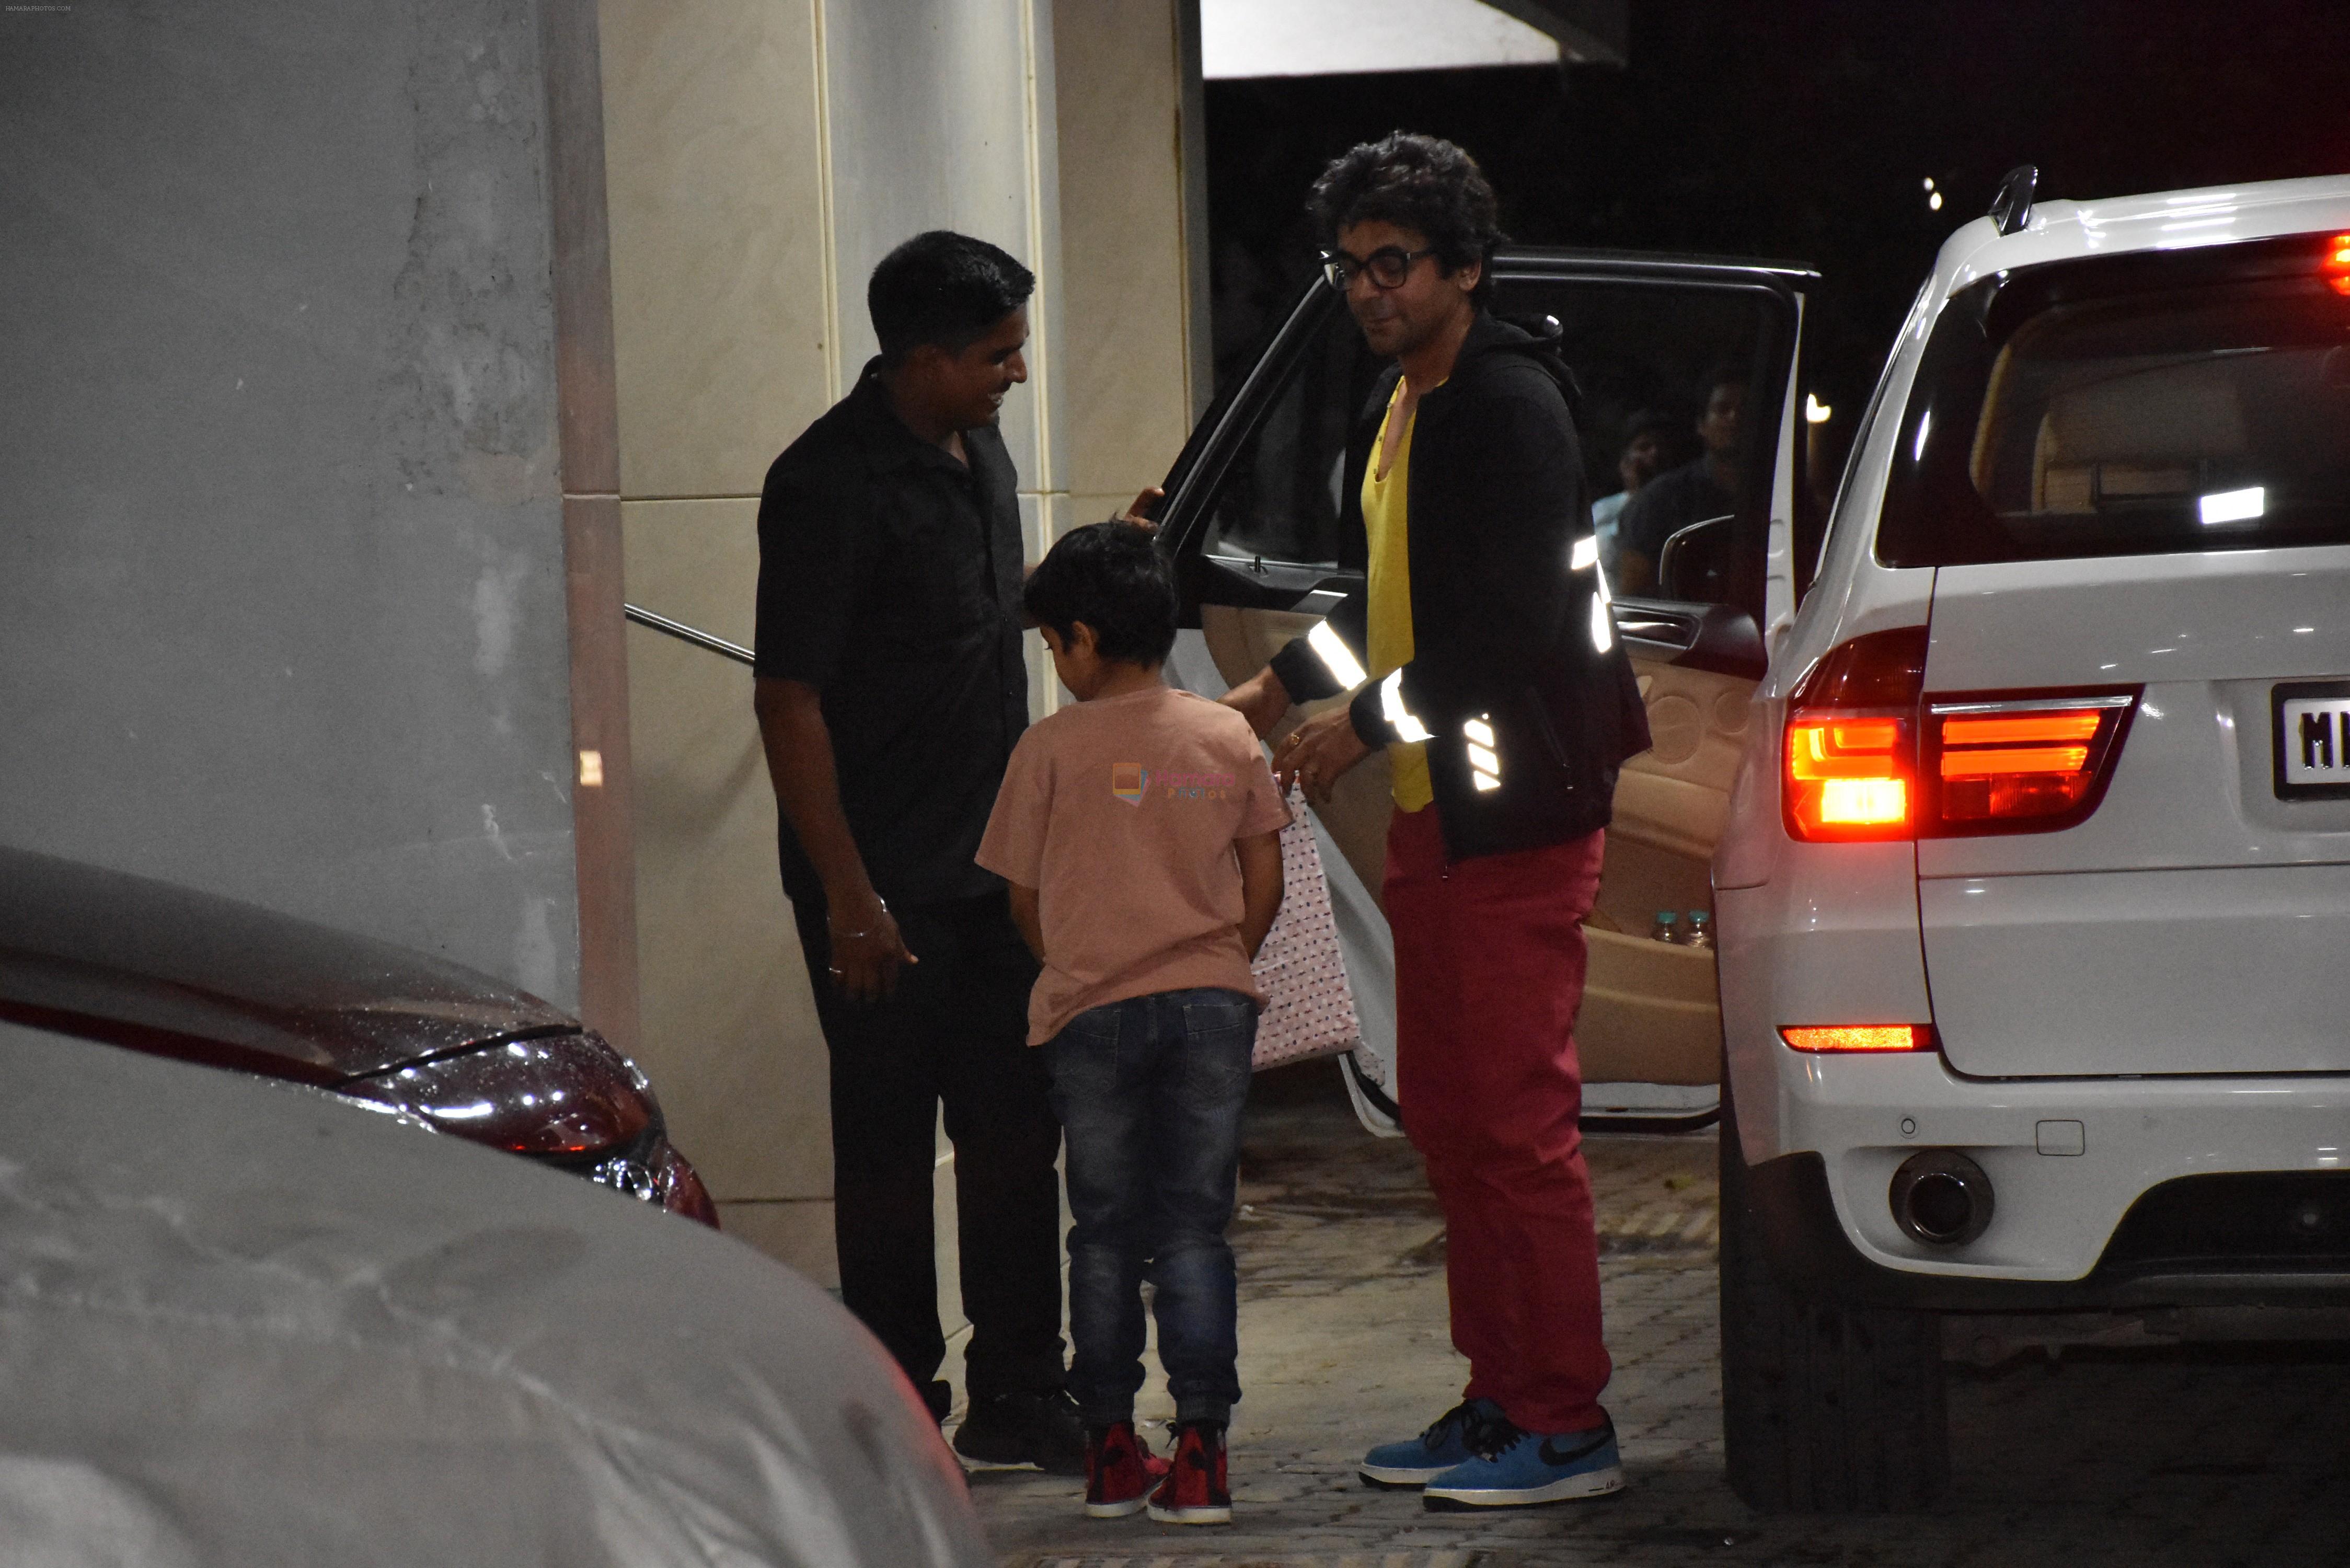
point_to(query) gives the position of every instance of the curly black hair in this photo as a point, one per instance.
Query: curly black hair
(1413, 181)
(1114, 577)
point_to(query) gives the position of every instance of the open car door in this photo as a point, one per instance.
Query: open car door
(1251, 516)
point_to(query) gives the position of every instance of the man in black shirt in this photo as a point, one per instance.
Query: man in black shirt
(1691, 493)
(890, 690)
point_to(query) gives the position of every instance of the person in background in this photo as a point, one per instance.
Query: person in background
(890, 691)
(1647, 449)
(1140, 833)
(1704, 488)
(1484, 659)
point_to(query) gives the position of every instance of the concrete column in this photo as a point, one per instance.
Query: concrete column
(282, 544)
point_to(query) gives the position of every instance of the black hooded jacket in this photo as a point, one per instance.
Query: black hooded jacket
(1509, 635)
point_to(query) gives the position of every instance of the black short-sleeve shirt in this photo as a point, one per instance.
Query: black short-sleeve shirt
(889, 579)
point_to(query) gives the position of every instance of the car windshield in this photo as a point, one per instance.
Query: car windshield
(2173, 402)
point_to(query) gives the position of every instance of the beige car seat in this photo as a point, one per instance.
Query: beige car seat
(2138, 434)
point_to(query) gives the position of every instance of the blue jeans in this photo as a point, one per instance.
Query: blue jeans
(1150, 1092)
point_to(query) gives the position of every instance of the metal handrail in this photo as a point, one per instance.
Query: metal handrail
(685, 633)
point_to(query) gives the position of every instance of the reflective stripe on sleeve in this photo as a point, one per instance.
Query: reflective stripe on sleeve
(1391, 706)
(1603, 625)
(1335, 655)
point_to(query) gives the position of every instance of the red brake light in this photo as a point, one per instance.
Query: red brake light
(681, 1190)
(1847, 773)
(1850, 753)
(2336, 265)
(2001, 763)
(1850, 1037)
(1866, 758)
(2063, 724)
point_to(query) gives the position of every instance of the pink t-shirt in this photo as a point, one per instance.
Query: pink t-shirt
(1121, 813)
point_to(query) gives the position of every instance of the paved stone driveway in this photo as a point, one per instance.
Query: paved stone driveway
(2207, 1456)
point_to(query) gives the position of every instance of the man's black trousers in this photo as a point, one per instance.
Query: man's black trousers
(954, 1031)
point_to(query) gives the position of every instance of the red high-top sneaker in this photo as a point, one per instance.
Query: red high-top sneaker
(1195, 1491)
(1118, 1471)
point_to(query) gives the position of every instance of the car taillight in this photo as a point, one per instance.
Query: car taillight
(2336, 265)
(1845, 1037)
(680, 1190)
(2021, 761)
(1848, 775)
(566, 1096)
(1850, 758)
(1867, 758)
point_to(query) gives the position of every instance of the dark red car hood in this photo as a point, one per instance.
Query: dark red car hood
(109, 956)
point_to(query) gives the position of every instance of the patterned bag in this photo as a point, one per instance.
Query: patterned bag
(1310, 1008)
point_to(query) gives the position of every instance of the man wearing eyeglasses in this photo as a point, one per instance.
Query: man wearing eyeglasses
(1483, 659)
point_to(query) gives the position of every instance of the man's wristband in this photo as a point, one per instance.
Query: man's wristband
(841, 936)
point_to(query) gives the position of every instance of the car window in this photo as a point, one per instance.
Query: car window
(1679, 390)
(1280, 498)
(2204, 409)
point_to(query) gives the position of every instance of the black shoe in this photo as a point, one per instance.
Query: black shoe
(1041, 1429)
(939, 1395)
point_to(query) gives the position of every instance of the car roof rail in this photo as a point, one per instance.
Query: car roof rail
(2012, 206)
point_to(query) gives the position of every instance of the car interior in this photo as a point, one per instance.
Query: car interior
(2137, 416)
(2201, 417)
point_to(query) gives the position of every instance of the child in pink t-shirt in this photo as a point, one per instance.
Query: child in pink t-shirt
(1140, 833)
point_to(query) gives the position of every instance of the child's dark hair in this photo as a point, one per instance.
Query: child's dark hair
(1112, 577)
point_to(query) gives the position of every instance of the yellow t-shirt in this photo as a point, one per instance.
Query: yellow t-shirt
(1389, 634)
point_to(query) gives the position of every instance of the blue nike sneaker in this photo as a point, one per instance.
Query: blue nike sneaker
(1450, 1439)
(1515, 1468)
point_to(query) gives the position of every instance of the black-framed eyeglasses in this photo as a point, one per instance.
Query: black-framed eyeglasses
(1387, 265)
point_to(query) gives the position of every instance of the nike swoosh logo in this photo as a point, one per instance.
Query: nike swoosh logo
(1551, 1455)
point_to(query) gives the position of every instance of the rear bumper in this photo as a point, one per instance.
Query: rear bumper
(2155, 1262)
(2070, 1160)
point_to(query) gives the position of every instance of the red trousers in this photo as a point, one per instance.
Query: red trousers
(1489, 961)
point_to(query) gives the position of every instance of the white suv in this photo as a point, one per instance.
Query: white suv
(2035, 899)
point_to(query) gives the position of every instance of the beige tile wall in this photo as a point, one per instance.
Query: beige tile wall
(1124, 248)
(722, 323)
(761, 156)
(729, 1032)
(719, 254)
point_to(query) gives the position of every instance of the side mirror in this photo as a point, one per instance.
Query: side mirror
(1697, 563)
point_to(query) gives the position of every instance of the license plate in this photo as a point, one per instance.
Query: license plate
(2313, 739)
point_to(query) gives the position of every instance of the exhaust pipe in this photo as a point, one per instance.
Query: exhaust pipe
(1942, 1198)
